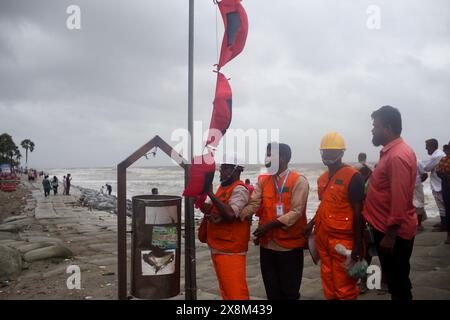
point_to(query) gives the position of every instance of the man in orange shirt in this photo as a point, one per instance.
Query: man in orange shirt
(282, 196)
(227, 235)
(389, 205)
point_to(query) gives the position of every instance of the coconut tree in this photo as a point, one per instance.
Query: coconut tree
(27, 144)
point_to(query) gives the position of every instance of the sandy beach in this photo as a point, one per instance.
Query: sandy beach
(87, 238)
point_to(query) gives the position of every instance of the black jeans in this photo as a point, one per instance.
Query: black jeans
(282, 273)
(396, 266)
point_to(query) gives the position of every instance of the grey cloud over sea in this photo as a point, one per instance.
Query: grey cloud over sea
(90, 97)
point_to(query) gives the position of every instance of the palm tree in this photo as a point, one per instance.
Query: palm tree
(27, 144)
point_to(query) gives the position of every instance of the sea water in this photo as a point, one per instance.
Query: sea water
(170, 181)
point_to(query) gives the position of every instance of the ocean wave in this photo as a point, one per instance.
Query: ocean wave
(170, 180)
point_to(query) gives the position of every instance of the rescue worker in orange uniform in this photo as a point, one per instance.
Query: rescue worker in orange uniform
(280, 197)
(227, 235)
(338, 219)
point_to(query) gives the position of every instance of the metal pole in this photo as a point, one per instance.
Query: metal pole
(121, 231)
(189, 226)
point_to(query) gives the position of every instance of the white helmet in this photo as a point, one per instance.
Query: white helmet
(232, 158)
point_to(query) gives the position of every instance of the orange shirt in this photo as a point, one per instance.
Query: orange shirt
(389, 198)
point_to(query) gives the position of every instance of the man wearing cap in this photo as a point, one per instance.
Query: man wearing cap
(282, 195)
(338, 219)
(227, 235)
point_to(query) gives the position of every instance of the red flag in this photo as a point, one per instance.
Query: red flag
(236, 29)
(201, 175)
(201, 172)
(222, 111)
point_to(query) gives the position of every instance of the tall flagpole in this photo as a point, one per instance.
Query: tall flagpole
(190, 271)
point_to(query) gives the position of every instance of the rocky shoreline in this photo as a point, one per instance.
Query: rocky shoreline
(50, 234)
(99, 201)
(23, 241)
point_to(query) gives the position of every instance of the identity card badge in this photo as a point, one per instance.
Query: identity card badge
(280, 209)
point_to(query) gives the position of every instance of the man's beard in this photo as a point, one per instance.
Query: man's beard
(377, 141)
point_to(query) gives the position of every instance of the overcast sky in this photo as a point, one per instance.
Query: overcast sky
(91, 97)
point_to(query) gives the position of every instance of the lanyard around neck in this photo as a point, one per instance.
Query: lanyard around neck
(280, 191)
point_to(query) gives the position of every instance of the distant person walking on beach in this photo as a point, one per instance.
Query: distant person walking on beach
(108, 188)
(64, 185)
(443, 171)
(227, 235)
(47, 186)
(419, 196)
(282, 196)
(68, 183)
(55, 185)
(338, 220)
(389, 203)
(249, 186)
(436, 155)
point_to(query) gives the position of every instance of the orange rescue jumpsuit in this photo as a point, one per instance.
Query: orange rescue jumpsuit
(333, 225)
(231, 239)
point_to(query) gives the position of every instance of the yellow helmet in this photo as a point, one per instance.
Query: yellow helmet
(332, 140)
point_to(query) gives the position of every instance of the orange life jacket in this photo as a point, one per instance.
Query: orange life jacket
(290, 237)
(228, 236)
(260, 210)
(335, 212)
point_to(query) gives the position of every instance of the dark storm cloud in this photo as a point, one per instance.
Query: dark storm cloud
(91, 96)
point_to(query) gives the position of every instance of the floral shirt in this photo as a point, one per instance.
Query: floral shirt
(444, 166)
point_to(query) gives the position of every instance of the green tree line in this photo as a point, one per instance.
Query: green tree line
(9, 151)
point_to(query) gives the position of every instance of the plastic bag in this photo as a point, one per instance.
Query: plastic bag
(355, 269)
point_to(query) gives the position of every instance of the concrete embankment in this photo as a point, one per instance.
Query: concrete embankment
(50, 234)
